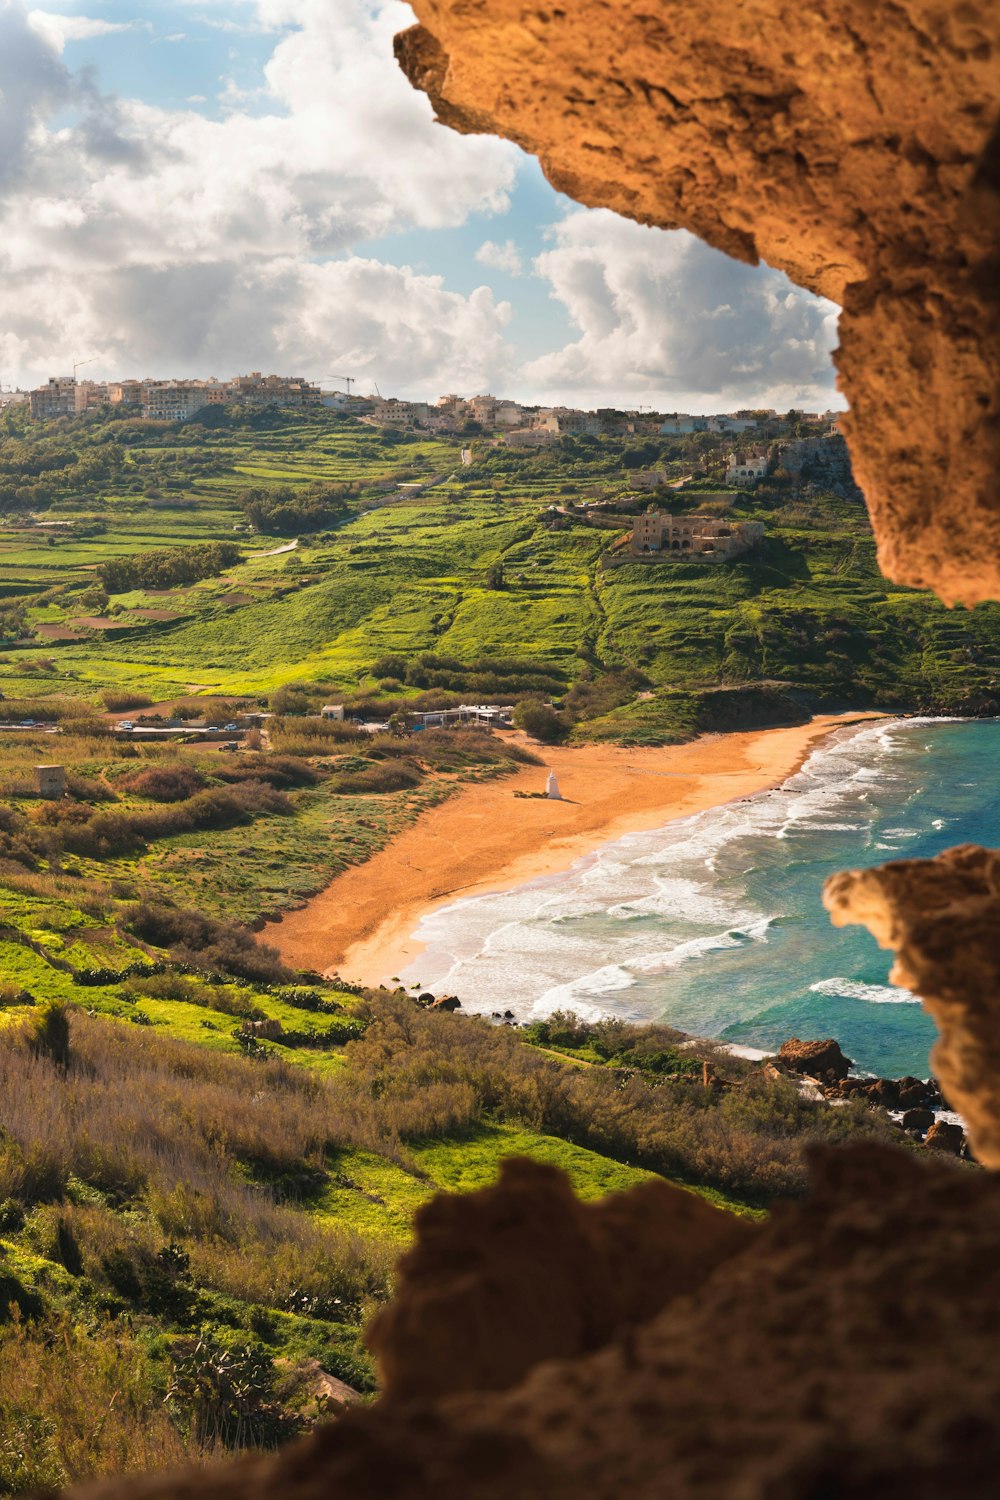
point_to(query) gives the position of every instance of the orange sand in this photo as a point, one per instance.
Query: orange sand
(486, 839)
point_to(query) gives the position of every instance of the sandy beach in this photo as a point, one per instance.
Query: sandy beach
(484, 838)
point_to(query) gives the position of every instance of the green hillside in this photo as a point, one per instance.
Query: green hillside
(468, 570)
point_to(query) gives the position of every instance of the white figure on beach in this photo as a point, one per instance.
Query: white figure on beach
(552, 788)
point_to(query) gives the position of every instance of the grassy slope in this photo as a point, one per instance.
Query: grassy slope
(810, 610)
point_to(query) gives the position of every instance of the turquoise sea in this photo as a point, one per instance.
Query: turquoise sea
(714, 923)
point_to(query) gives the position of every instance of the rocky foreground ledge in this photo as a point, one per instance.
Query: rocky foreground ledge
(651, 1345)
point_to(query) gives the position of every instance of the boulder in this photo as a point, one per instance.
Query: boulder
(944, 1136)
(884, 1091)
(918, 1119)
(447, 1002)
(822, 1060)
(916, 1094)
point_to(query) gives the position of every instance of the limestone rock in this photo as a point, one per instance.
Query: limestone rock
(851, 146)
(942, 918)
(944, 1136)
(523, 1271)
(848, 1349)
(816, 1059)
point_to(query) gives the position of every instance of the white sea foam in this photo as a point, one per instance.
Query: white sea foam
(872, 994)
(631, 929)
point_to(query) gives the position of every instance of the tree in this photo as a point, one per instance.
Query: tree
(495, 576)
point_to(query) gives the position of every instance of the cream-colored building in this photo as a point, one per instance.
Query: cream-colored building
(749, 467)
(709, 538)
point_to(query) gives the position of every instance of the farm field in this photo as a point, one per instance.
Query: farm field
(478, 568)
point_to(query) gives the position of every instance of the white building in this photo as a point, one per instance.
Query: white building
(748, 468)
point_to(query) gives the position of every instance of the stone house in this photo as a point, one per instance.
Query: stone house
(709, 538)
(748, 467)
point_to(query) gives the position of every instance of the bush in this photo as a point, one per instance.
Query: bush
(226, 1393)
(388, 776)
(280, 771)
(117, 702)
(167, 782)
(47, 1034)
(206, 943)
(541, 721)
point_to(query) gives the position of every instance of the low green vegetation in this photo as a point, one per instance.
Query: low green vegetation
(200, 1221)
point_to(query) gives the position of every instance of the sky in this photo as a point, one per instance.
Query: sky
(208, 187)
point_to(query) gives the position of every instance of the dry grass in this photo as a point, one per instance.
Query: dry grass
(206, 1148)
(78, 1403)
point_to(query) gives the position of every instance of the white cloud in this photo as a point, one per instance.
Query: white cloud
(209, 239)
(666, 320)
(505, 257)
(339, 149)
(384, 323)
(58, 30)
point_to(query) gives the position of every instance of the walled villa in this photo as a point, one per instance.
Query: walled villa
(748, 468)
(658, 532)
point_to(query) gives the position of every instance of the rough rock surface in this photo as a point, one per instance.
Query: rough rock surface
(850, 145)
(942, 918)
(524, 1271)
(823, 1060)
(848, 1349)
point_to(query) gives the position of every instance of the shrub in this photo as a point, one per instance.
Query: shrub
(78, 1402)
(280, 771)
(47, 1034)
(167, 782)
(119, 702)
(389, 776)
(206, 943)
(226, 1393)
(541, 721)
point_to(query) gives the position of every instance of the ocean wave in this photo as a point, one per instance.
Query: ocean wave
(577, 994)
(672, 958)
(872, 994)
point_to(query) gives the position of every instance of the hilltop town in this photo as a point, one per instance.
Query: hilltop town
(516, 423)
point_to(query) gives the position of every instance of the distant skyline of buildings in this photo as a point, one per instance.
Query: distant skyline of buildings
(516, 423)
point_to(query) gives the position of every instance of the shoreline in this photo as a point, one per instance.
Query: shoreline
(483, 839)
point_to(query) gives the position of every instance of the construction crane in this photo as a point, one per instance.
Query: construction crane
(348, 380)
(81, 362)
